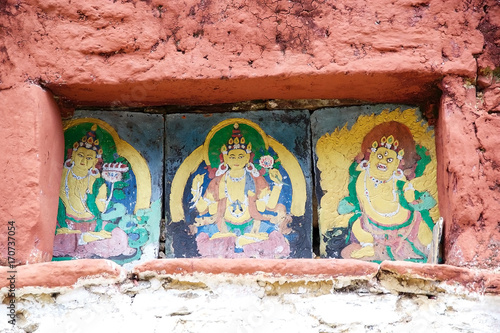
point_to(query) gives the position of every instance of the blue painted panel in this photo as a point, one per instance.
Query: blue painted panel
(263, 212)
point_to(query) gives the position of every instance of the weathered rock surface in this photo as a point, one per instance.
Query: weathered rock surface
(468, 176)
(292, 295)
(195, 52)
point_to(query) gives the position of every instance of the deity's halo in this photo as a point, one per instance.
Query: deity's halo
(210, 151)
(220, 134)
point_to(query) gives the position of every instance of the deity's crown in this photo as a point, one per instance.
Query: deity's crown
(389, 143)
(236, 141)
(90, 141)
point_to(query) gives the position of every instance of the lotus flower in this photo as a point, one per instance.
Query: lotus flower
(266, 161)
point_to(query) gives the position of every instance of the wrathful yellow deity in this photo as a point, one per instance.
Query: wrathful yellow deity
(390, 217)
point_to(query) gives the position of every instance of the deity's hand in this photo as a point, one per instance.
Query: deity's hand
(409, 192)
(195, 188)
(275, 176)
(198, 181)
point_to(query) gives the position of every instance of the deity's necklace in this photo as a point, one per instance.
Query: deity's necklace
(376, 182)
(241, 206)
(236, 180)
(83, 199)
(76, 176)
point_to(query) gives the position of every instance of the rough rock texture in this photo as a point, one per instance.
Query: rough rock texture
(195, 52)
(277, 267)
(468, 141)
(403, 276)
(346, 273)
(30, 165)
(402, 297)
(469, 173)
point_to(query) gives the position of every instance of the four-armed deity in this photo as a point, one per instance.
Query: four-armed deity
(240, 194)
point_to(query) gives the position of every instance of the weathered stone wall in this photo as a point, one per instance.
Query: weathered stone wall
(134, 53)
(141, 53)
(226, 304)
(467, 134)
(196, 52)
(280, 296)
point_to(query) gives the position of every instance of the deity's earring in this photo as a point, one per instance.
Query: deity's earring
(252, 169)
(69, 163)
(223, 167)
(93, 171)
(398, 174)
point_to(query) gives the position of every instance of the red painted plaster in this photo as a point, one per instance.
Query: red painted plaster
(62, 273)
(85, 271)
(102, 52)
(31, 165)
(475, 280)
(468, 172)
(277, 267)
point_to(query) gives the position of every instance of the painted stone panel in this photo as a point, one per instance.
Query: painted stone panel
(238, 185)
(110, 197)
(376, 183)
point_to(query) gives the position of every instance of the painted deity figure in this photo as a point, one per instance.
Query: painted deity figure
(83, 195)
(391, 219)
(237, 198)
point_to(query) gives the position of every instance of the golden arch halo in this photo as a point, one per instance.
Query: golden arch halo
(137, 162)
(191, 163)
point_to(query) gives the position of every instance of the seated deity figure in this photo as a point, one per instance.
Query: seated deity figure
(83, 194)
(238, 195)
(388, 210)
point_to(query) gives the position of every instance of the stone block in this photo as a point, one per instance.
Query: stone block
(30, 154)
(69, 274)
(298, 268)
(111, 187)
(238, 185)
(468, 171)
(376, 183)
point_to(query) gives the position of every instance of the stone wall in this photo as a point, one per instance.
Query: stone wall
(140, 53)
(31, 168)
(241, 296)
(441, 55)
(197, 52)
